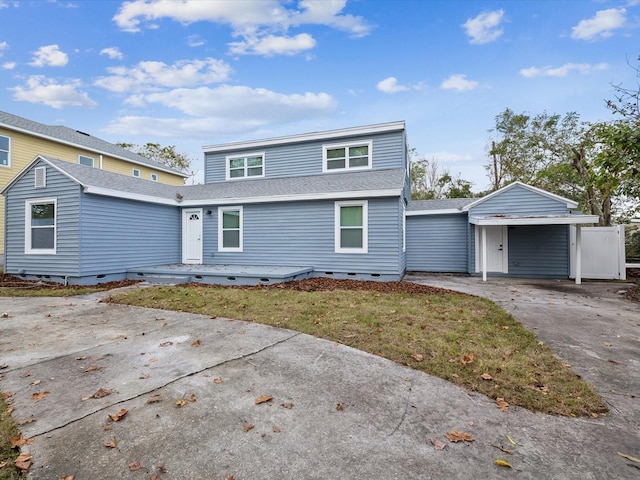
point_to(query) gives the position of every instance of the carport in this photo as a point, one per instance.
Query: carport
(482, 222)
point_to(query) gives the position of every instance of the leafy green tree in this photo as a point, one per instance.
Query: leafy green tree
(166, 155)
(429, 181)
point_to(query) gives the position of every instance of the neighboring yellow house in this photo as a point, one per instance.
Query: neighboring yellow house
(21, 140)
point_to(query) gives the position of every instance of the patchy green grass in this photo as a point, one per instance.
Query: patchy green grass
(8, 429)
(459, 338)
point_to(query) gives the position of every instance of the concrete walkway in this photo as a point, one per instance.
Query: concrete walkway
(336, 412)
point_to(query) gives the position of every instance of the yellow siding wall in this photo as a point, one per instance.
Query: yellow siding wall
(24, 149)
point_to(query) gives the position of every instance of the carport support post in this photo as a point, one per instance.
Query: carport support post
(578, 254)
(484, 253)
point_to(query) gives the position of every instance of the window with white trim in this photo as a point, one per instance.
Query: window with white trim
(135, 172)
(351, 227)
(245, 166)
(5, 151)
(84, 160)
(154, 177)
(40, 226)
(230, 229)
(347, 156)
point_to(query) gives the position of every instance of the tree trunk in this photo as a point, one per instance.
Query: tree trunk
(580, 164)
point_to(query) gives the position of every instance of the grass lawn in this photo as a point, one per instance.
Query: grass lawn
(464, 339)
(8, 429)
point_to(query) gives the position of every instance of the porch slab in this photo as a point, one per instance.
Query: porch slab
(220, 274)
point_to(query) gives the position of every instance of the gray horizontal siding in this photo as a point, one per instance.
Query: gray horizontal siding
(437, 243)
(302, 234)
(539, 251)
(118, 234)
(519, 201)
(306, 158)
(65, 261)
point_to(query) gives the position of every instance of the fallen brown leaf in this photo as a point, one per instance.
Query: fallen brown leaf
(28, 420)
(118, 416)
(37, 396)
(108, 427)
(456, 436)
(339, 406)
(197, 343)
(23, 462)
(18, 441)
(502, 449)
(418, 357)
(135, 466)
(468, 358)
(6, 395)
(4, 464)
(153, 398)
(112, 443)
(192, 398)
(92, 368)
(437, 444)
(275, 429)
(502, 404)
(5, 315)
(502, 463)
(68, 477)
(3, 366)
(36, 382)
(25, 375)
(247, 427)
(81, 358)
(181, 403)
(486, 376)
(101, 393)
(263, 399)
(166, 344)
(218, 380)
(287, 405)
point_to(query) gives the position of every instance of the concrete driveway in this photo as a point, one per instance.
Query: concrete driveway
(335, 413)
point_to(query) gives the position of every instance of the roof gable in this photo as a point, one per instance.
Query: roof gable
(518, 184)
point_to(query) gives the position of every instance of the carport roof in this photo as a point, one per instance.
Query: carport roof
(568, 219)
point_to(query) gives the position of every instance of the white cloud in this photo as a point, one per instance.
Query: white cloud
(113, 53)
(151, 75)
(195, 41)
(261, 24)
(49, 56)
(459, 82)
(9, 65)
(390, 85)
(563, 70)
(39, 89)
(485, 28)
(273, 45)
(224, 109)
(600, 26)
(3, 46)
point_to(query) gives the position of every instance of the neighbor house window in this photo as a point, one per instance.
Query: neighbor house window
(154, 177)
(351, 227)
(245, 166)
(40, 226)
(349, 156)
(5, 151)
(230, 229)
(135, 172)
(88, 161)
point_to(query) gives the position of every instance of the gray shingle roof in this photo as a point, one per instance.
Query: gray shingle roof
(84, 140)
(266, 187)
(440, 204)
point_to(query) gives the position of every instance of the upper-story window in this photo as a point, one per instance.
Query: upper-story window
(84, 160)
(347, 156)
(245, 166)
(135, 172)
(154, 177)
(5, 151)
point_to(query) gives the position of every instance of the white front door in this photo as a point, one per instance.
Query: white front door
(192, 235)
(497, 254)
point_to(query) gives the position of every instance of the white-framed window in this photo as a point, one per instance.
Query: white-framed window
(40, 226)
(245, 166)
(154, 177)
(351, 227)
(135, 172)
(5, 151)
(230, 229)
(84, 160)
(346, 156)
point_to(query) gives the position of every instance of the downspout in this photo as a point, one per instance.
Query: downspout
(101, 162)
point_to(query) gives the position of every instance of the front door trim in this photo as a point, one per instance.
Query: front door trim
(192, 235)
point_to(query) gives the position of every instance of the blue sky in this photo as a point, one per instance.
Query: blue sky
(197, 72)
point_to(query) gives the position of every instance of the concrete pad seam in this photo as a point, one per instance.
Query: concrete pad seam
(406, 407)
(177, 379)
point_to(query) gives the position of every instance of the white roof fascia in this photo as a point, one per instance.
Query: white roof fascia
(392, 192)
(542, 220)
(553, 196)
(108, 192)
(443, 211)
(89, 149)
(306, 137)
